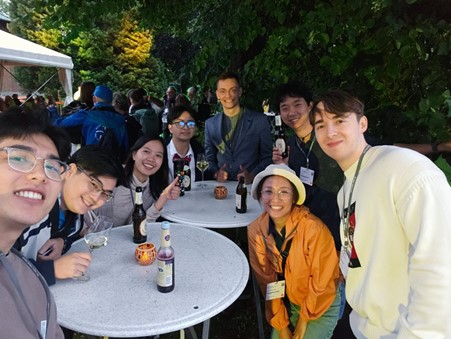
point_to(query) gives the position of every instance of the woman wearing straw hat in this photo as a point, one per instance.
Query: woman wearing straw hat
(293, 256)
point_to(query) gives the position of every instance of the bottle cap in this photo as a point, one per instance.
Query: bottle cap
(165, 225)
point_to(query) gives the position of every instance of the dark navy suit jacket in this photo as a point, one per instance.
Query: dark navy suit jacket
(251, 146)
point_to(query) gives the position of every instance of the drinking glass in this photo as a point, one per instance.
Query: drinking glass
(96, 236)
(202, 165)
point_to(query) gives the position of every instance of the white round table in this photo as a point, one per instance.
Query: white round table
(121, 298)
(198, 207)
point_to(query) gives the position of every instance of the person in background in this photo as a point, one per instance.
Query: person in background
(147, 167)
(99, 121)
(169, 98)
(238, 141)
(144, 114)
(30, 176)
(396, 238)
(89, 182)
(293, 256)
(121, 105)
(2, 105)
(183, 143)
(16, 99)
(84, 101)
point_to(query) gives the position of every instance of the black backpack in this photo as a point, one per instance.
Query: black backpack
(109, 143)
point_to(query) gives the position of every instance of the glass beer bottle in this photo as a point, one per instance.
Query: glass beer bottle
(138, 215)
(241, 196)
(165, 261)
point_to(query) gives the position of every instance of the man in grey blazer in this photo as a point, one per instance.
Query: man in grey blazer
(238, 141)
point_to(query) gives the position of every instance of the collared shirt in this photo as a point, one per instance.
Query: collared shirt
(192, 165)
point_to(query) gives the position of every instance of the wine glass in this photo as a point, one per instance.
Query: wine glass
(96, 236)
(202, 165)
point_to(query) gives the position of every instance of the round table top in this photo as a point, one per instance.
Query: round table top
(121, 298)
(198, 207)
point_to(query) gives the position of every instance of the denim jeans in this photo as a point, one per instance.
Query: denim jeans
(323, 327)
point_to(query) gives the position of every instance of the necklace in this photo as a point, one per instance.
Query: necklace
(306, 138)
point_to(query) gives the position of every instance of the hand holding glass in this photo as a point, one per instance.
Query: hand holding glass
(97, 236)
(202, 165)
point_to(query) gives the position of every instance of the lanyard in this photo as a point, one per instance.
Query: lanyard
(346, 212)
(307, 156)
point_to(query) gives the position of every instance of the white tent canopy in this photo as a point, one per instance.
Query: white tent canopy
(15, 51)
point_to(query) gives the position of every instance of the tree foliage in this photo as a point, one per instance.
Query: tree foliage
(395, 55)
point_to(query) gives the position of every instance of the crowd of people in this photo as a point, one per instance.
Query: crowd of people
(352, 241)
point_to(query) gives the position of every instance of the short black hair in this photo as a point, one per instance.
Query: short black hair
(22, 123)
(97, 162)
(176, 111)
(293, 89)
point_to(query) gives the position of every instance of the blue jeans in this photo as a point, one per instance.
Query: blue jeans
(324, 326)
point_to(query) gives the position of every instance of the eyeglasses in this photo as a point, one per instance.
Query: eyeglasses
(181, 124)
(96, 186)
(283, 194)
(23, 160)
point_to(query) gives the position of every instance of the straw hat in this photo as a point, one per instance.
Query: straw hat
(281, 170)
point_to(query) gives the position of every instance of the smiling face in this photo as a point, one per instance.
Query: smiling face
(294, 112)
(340, 136)
(148, 159)
(81, 193)
(25, 198)
(229, 92)
(278, 206)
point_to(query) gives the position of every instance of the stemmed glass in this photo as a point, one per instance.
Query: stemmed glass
(96, 236)
(202, 165)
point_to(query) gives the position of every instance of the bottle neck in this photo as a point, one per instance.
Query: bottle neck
(138, 198)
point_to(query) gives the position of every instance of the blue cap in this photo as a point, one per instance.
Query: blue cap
(104, 93)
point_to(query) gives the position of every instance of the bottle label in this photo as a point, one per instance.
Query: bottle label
(142, 228)
(186, 181)
(164, 275)
(278, 120)
(238, 201)
(280, 144)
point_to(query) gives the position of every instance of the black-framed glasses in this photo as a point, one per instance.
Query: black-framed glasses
(282, 194)
(23, 160)
(181, 124)
(96, 186)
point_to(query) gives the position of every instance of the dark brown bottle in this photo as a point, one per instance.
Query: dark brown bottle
(179, 171)
(241, 196)
(139, 231)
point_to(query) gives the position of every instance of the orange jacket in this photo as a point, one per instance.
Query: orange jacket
(311, 267)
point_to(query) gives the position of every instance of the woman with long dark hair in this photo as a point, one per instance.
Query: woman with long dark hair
(146, 167)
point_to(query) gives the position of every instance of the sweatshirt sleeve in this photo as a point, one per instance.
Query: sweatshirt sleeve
(275, 311)
(424, 212)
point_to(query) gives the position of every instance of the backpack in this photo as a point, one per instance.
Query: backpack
(110, 144)
(149, 122)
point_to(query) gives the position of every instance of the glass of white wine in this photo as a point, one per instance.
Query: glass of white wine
(202, 165)
(96, 236)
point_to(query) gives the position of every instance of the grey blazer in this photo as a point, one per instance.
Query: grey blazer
(251, 146)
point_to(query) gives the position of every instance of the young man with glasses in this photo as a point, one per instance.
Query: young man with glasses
(89, 182)
(30, 179)
(182, 144)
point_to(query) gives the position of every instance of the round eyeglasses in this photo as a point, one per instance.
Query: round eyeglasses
(181, 124)
(96, 186)
(23, 160)
(268, 194)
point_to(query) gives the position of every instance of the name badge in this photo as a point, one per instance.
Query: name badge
(307, 175)
(43, 328)
(275, 290)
